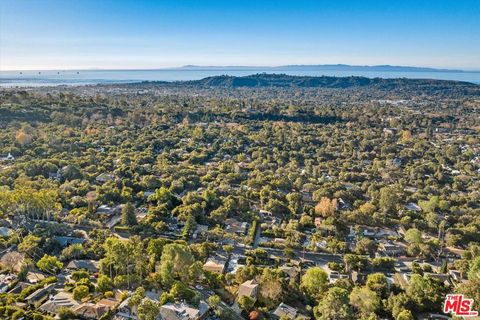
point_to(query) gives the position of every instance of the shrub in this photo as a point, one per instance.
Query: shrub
(80, 292)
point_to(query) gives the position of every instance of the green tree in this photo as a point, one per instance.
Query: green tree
(120, 256)
(271, 287)
(366, 246)
(154, 251)
(413, 236)
(162, 195)
(195, 272)
(471, 290)
(405, 315)
(180, 291)
(430, 205)
(80, 292)
(314, 282)
(474, 270)
(399, 302)
(30, 245)
(136, 297)
(49, 264)
(228, 248)
(378, 283)
(176, 258)
(148, 310)
(427, 293)
(246, 303)
(189, 227)
(71, 172)
(388, 199)
(73, 251)
(334, 306)
(214, 301)
(365, 300)
(80, 274)
(128, 215)
(104, 283)
(65, 313)
(289, 253)
(355, 262)
(138, 255)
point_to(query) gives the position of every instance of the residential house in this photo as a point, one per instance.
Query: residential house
(200, 231)
(4, 232)
(307, 196)
(91, 310)
(65, 241)
(248, 288)
(236, 227)
(270, 221)
(285, 311)
(8, 157)
(215, 264)
(351, 237)
(391, 249)
(389, 131)
(127, 312)
(148, 193)
(89, 265)
(55, 175)
(318, 222)
(410, 189)
(344, 205)
(264, 213)
(35, 277)
(19, 287)
(403, 278)
(110, 303)
(369, 232)
(236, 261)
(384, 233)
(104, 177)
(62, 299)
(396, 162)
(5, 281)
(335, 275)
(358, 277)
(106, 211)
(413, 207)
(376, 233)
(442, 277)
(183, 311)
(455, 275)
(39, 296)
(291, 271)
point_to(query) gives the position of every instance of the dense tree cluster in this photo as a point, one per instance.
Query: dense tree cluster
(325, 159)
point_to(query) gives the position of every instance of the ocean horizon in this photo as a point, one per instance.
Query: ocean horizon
(36, 78)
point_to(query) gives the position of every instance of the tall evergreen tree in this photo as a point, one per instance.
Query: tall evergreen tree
(128, 215)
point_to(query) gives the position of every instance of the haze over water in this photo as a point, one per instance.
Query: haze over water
(91, 77)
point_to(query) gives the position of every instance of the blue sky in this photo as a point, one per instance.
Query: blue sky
(51, 34)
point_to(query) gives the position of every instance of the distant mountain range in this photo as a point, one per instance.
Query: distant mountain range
(323, 67)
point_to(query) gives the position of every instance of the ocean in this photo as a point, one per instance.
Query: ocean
(91, 77)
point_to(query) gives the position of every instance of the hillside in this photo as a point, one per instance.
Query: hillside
(282, 80)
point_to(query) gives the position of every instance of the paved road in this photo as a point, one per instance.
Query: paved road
(318, 258)
(258, 233)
